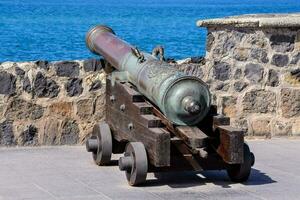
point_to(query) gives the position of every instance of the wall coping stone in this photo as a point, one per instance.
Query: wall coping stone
(291, 20)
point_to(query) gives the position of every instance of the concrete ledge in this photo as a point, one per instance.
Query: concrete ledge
(255, 20)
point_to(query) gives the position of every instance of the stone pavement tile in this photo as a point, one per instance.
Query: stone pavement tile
(215, 194)
(121, 190)
(9, 178)
(61, 186)
(85, 198)
(69, 173)
(25, 192)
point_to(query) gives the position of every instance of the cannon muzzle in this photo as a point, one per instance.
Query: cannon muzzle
(184, 99)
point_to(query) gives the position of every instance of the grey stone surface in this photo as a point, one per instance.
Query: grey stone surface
(256, 39)
(221, 86)
(241, 54)
(240, 86)
(26, 85)
(296, 74)
(259, 101)
(51, 131)
(222, 71)
(224, 46)
(209, 41)
(45, 87)
(295, 58)
(296, 128)
(280, 60)
(99, 104)
(282, 43)
(228, 105)
(290, 102)
(93, 65)
(273, 79)
(260, 55)
(67, 69)
(20, 72)
(20, 109)
(240, 122)
(237, 74)
(7, 83)
(254, 72)
(198, 60)
(74, 87)
(64, 173)
(85, 108)
(6, 133)
(29, 136)
(43, 64)
(260, 127)
(192, 69)
(281, 128)
(96, 85)
(70, 132)
(255, 20)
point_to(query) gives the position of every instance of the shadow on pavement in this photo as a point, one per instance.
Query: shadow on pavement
(191, 179)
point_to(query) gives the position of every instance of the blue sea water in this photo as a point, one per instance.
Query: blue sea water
(55, 29)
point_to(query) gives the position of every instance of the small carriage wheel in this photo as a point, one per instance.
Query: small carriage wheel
(240, 172)
(134, 163)
(100, 144)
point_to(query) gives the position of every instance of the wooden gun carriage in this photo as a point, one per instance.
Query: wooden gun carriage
(152, 143)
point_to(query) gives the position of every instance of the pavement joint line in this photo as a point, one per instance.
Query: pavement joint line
(254, 194)
(89, 187)
(44, 190)
(251, 193)
(80, 196)
(156, 195)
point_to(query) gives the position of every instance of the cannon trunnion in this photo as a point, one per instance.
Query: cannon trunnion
(160, 124)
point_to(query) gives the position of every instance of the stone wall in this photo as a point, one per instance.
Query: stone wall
(253, 69)
(50, 103)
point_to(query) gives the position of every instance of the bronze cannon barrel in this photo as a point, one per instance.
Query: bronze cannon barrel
(184, 99)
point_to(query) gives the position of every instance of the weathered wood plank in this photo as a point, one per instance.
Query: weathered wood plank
(151, 121)
(192, 136)
(143, 108)
(231, 147)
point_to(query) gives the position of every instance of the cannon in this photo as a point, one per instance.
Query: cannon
(160, 118)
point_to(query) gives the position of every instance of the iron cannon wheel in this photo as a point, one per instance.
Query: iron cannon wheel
(102, 133)
(240, 172)
(134, 163)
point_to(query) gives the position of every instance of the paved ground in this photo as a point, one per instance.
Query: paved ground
(68, 173)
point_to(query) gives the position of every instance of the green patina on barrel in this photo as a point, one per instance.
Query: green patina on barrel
(184, 99)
